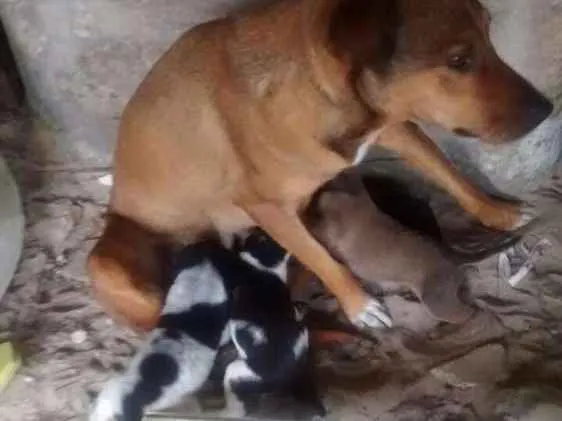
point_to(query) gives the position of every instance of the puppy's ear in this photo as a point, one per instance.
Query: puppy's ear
(365, 32)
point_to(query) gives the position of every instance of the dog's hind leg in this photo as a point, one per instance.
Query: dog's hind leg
(126, 269)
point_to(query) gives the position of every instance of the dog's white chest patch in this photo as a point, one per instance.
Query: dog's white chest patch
(361, 152)
(363, 149)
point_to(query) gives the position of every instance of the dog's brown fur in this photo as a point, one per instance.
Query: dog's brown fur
(238, 124)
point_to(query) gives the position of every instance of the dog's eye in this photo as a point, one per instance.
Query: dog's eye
(460, 62)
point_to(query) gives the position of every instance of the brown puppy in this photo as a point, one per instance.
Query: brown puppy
(378, 229)
(244, 117)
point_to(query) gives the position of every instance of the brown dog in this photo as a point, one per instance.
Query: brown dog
(244, 117)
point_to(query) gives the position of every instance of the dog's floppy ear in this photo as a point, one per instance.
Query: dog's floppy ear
(364, 32)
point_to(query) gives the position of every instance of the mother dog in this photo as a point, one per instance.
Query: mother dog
(245, 117)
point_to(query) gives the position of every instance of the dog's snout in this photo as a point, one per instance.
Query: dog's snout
(533, 106)
(539, 109)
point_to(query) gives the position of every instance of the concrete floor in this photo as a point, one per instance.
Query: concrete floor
(503, 365)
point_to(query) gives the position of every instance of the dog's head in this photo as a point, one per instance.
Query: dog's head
(432, 61)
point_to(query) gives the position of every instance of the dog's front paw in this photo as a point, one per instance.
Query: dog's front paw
(373, 315)
(504, 215)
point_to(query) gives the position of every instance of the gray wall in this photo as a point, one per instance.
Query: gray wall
(82, 59)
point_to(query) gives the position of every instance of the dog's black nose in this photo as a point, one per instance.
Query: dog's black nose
(538, 109)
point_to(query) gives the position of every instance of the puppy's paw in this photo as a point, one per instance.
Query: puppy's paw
(102, 414)
(374, 315)
(108, 406)
(234, 408)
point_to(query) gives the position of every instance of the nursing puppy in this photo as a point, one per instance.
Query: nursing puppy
(218, 295)
(382, 232)
(266, 328)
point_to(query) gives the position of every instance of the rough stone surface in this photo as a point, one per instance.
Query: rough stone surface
(544, 412)
(82, 60)
(486, 365)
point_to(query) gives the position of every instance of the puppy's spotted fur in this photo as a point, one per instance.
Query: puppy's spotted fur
(219, 294)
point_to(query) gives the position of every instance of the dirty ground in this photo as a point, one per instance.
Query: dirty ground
(505, 364)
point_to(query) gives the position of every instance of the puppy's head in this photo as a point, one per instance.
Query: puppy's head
(432, 60)
(339, 210)
(261, 251)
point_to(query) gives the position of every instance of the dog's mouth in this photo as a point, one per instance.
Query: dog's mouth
(464, 133)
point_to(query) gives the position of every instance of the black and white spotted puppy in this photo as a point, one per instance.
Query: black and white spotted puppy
(266, 328)
(218, 295)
